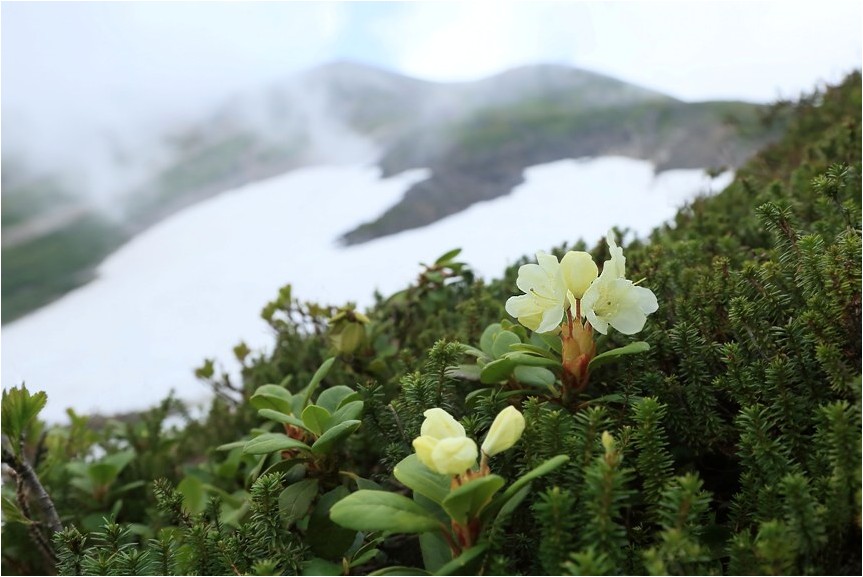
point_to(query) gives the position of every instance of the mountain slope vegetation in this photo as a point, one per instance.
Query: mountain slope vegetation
(727, 442)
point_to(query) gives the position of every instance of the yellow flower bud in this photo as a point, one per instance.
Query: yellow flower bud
(578, 271)
(505, 431)
(439, 424)
(424, 447)
(453, 456)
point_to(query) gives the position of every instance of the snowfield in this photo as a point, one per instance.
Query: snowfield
(192, 287)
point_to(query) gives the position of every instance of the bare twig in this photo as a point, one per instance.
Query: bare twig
(28, 476)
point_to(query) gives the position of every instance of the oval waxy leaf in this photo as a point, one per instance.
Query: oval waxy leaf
(419, 478)
(281, 417)
(295, 500)
(382, 511)
(487, 339)
(328, 440)
(347, 412)
(468, 500)
(536, 376)
(331, 398)
(315, 419)
(272, 397)
(614, 354)
(496, 371)
(272, 442)
(502, 342)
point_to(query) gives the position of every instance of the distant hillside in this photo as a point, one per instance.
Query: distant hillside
(477, 137)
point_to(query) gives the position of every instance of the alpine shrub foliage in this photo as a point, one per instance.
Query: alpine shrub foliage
(726, 441)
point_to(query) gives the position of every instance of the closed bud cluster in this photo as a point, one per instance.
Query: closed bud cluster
(444, 447)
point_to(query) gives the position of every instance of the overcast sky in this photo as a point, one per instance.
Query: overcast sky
(71, 68)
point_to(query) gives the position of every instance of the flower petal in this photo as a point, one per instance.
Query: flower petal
(578, 271)
(628, 320)
(522, 305)
(424, 446)
(618, 261)
(646, 300)
(454, 456)
(439, 424)
(531, 276)
(551, 318)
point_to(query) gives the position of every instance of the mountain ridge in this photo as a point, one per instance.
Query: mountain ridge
(475, 136)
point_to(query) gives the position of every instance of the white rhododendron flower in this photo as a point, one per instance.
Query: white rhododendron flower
(505, 431)
(541, 307)
(615, 301)
(442, 445)
(550, 288)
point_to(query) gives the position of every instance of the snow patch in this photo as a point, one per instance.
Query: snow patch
(193, 286)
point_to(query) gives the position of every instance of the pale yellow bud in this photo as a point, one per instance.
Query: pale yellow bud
(424, 447)
(439, 424)
(578, 271)
(505, 431)
(453, 456)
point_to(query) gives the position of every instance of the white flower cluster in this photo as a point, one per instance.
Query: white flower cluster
(608, 299)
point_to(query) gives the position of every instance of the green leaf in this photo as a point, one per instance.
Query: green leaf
(347, 412)
(286, 466)
(502, 342)
(327, 441)
(231, 446)
(473, 351)
(194, 494)
(280, 417)
(315, 418)
(487, 339)
(103, 473)
(399, 570)
(551, 340)
(295, 500)
(536, 376)
(461, 565)
(332, 397)
(382, 511)
(366, 556)
(272, 442)
(324, 537)
(466, 372)
(318, 566)
(529, 360)
(496, 371)
(435, 550)
(272, 397)
(479, 393)
(543, 352)
(19, 408)
(538, 471)
(448, 256)
(316, 380)
(614, 354)
(511, 504)
(414, 475)
(467, 501)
